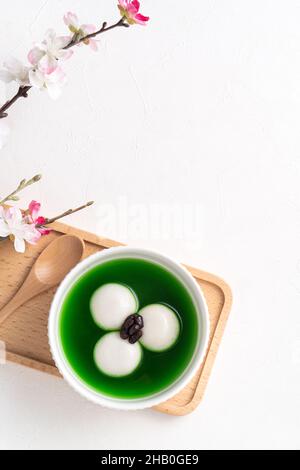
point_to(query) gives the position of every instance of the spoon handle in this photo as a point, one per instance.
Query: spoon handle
(27, 291)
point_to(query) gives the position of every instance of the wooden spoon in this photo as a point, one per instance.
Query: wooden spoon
(53, 264)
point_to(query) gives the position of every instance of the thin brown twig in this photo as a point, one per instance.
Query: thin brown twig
(23, 90)
(23, 184)
(21, 93)
(64, 214)
(104, 28)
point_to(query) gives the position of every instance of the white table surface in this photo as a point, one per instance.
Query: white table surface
(198, 114)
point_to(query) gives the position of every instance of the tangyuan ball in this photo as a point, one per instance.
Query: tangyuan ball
(111, 304)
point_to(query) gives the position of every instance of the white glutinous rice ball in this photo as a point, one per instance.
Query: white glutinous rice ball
(115, 357)
(111, 304)
(161, 327)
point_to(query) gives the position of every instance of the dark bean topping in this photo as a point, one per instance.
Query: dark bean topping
(139, 321)
(135, 337)
(124, 334)
(133, 329)
(129, 322)
(126, 325)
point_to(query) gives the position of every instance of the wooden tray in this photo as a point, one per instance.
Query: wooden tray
(25, 331)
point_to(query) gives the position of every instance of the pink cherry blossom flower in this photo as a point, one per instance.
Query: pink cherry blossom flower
(15, 71)
(14, 225)
(71, 20)
(53, 83)
(45, 56)
(34, 218)
(130, 9)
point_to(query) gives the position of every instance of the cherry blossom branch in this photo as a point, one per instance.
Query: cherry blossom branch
(46, 221)
(23, 90)
(28, 225)
(23, 184)
(21, 93)
(64, 214)
(75, 41)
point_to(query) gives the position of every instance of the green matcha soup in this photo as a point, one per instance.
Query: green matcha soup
(79, 333)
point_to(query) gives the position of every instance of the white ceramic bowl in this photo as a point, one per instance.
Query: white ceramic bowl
(202, 316)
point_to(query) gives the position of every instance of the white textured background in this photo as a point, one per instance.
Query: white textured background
(202, 109)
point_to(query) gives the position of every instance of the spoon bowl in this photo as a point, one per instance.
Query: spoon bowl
(58, 259)
(51, 267)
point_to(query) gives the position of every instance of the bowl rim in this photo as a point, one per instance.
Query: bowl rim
(182, 274)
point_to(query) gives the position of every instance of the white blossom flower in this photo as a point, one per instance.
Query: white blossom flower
(53, 83)
(71, 20)
(12, 224)
(14, 70)
(45, 56)
(4, 133)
